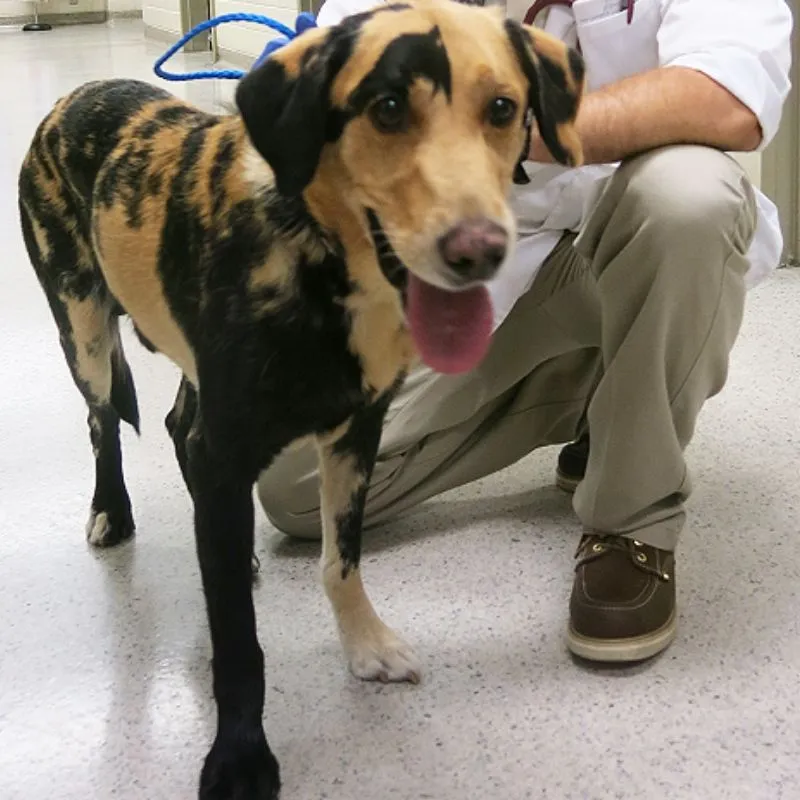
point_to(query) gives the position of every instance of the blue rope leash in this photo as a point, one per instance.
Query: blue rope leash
(303, 23)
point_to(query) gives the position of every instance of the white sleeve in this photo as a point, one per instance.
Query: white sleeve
(744, 45)
(334, 11)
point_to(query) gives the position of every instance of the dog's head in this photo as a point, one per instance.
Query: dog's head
(419, 114)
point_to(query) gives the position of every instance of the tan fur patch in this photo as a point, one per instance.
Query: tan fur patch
(276, 273)
(373, 650)
(93, 344)
(203, 190)
(340, 479)
(552, 48)
(129, 257)
(378, 333)
(256, 171)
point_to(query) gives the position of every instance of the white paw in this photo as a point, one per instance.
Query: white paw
(97, 528)
(108, 528)
(381, 655)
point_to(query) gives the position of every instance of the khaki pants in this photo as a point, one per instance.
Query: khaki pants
(627, 329)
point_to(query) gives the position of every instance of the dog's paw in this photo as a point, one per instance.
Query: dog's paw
(240, 770)
(379, 654)
(108, 528)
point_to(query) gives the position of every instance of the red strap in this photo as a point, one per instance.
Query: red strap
(541, 5)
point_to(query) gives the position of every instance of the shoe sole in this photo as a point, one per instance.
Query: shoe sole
(566, 482)
(623, 650)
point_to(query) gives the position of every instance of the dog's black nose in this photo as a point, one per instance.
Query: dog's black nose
(474, 248)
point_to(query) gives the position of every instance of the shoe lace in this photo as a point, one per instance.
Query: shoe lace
(594, 546)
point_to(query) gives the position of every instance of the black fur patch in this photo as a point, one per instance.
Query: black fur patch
(144, 341)
(361, 441)
(110, 495)
(391, 266)
(99, 113)
(520, 175)
(183, 238)
(223, 160)
(406, 58)
(549, 96)
(287, 118)
(58, 271)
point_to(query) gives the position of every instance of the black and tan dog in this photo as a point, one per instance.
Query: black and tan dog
(292, 259)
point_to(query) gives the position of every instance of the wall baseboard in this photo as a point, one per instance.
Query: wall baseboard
(133, 13)
(236, 58)
(78, 18)
(160, 35)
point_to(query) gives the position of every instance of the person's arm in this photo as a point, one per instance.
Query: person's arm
(722, 82)
(660, 107)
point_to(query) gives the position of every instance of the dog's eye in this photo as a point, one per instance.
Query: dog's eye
(389, 114)
(501, 112)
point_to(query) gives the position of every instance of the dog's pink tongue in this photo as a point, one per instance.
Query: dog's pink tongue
(452, 330)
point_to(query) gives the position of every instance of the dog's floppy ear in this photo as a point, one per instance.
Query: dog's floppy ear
(285, 104)
(555, 74)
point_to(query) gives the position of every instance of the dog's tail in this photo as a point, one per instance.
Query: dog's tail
(123, 390)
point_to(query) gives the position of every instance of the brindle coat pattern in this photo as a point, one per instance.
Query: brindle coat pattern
(265, 253)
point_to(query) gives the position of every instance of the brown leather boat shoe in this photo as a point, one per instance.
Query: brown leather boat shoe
(622, 607)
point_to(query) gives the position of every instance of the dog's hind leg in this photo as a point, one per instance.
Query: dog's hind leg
(88, 326)
(91, 342)
(111, 518)
(373, 650)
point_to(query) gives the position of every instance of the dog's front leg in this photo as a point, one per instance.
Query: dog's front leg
(240, 765)
(373, 650)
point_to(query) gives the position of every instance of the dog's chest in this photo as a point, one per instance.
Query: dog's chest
(380, 338)
(317, 364)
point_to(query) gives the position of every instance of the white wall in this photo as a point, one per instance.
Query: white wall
(124, 6)
(248, 39)
(15, 9)
(243, 38)
(165, 15)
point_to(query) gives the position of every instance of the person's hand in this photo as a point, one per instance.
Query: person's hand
(655, 109)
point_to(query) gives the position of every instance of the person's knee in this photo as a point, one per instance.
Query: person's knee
(688, 195)
(289, 494)
(299, 526)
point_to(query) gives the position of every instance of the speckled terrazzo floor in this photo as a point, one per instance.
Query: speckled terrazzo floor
(104, 658)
